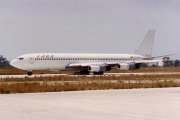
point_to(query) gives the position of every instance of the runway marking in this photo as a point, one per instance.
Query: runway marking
(86, 108)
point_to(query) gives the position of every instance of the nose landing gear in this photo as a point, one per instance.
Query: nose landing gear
(29, 73)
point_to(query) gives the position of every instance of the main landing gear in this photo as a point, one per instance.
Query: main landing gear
(87, 73)
(98, 73)
(84, 72)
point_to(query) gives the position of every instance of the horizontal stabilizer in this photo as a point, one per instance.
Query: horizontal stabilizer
(147, 61)
(160, 56)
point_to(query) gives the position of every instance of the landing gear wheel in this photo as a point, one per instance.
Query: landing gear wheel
(29, 73)
(84, 72)
(98, 73)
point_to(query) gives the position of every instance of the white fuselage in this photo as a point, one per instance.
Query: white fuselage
(59, 61)
(96, 63)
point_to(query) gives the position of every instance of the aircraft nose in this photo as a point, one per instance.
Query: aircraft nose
(12, 63)
(17, 64)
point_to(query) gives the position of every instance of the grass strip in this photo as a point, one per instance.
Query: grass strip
(57, 87)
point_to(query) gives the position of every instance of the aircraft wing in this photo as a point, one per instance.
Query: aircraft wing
(110, 64)
(93, 63)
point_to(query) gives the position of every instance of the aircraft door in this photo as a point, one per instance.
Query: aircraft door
(31, 60)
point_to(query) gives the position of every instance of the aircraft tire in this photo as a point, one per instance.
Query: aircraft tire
(98, 73)
(84, 72)
(29, 73)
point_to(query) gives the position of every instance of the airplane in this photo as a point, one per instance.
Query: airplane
(87, 63)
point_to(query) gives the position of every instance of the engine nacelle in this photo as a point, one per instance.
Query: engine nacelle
(130, 66)
(160, 64)
(96, 68)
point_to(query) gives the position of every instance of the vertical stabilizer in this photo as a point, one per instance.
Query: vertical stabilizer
(145, 48)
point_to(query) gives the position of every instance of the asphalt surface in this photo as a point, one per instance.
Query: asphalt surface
(132, 104)
(116, 74)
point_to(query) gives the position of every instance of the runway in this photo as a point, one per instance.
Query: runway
(131, 104)
(116, 74)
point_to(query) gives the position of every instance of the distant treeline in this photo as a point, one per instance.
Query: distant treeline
(4, 62)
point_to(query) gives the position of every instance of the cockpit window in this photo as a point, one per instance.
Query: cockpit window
(21, 58)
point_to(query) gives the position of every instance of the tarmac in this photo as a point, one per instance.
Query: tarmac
(124, 104)
(115, 74)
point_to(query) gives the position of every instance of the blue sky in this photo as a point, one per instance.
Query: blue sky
(87, 26)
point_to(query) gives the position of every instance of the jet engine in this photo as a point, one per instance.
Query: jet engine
(96, 68)
(128, 66)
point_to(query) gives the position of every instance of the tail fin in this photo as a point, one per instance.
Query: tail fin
(145, 48)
